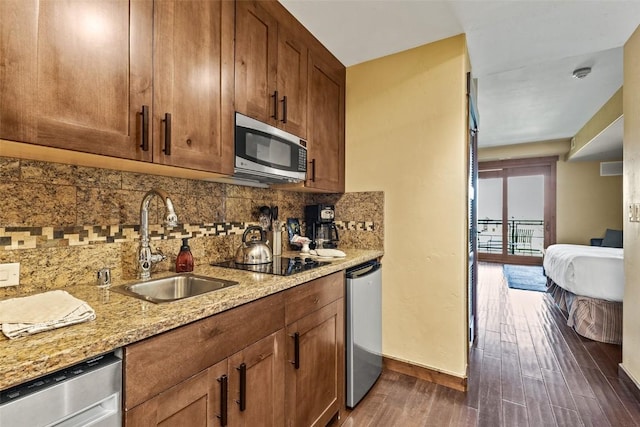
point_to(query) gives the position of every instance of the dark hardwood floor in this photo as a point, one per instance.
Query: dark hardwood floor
(527, 368)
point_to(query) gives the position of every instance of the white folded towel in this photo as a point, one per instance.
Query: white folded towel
(42, 312)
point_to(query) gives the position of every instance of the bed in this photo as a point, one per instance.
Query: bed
(587, 283)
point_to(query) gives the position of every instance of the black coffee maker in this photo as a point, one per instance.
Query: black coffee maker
(321, 228)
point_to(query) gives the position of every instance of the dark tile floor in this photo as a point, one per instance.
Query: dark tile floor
(527, 368)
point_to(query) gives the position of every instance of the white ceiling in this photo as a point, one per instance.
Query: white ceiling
(522, 52)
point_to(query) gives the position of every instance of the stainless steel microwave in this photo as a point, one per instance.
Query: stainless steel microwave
(267, 154)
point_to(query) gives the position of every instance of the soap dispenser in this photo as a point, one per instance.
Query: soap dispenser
(184, 260)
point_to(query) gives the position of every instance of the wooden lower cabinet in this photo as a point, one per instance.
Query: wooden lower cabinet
(246, 389)
(262, 401)
(190, 403)
(273, 362)
(315, 383)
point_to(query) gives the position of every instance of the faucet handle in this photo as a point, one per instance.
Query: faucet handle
(158, 256)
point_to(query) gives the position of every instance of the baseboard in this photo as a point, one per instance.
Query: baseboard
(622, 373)
(431, 375)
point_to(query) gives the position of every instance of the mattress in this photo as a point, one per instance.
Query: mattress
(591, 271)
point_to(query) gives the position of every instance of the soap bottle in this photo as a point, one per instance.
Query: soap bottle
(184, 260)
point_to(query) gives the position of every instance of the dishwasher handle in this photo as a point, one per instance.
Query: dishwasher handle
(363, 270)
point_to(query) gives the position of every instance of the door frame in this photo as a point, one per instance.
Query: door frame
(545, 166)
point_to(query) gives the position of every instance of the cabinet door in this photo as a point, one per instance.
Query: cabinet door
(194, 402)
(315, 374)
(293, 58)
(79, 73)
(256, 389)
(326, 125)
(256, 62)
(193, 72)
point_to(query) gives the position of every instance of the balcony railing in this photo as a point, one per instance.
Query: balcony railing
(524, 236)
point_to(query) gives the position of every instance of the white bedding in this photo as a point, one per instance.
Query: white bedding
(591, 271)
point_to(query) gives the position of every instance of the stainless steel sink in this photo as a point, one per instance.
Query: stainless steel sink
(173, 288)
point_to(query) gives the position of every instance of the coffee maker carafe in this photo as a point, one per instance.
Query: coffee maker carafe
(321, 228)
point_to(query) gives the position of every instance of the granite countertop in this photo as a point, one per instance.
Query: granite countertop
(122, 320)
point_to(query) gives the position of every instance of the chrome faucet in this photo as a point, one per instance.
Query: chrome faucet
(145, 257)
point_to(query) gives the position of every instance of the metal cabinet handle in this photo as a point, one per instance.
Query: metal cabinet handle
(275, 105)
(296, 350)
(284, 109)
(224, 392)
(243, 387)
(313, 170)
(167, 134)
(144, 128)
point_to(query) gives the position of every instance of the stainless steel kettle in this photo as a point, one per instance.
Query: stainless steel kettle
(255, 251)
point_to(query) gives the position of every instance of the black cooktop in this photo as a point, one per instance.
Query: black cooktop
(280, 266)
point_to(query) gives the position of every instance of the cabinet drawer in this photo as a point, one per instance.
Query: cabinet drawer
(304, 299)
(157, 363)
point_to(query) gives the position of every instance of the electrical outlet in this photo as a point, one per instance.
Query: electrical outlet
(9, 274)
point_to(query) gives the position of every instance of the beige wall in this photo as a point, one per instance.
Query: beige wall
(587, 203)
(631, 107)
(406, 135)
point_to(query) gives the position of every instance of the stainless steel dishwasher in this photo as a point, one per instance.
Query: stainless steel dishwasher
(363, 329)
(87, 394)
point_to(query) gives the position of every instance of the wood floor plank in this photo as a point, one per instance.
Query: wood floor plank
(492, 344)
(627, 395)
(528, 359)
(514, 414)
(612, 407)
(566, 417)
(590, 412)
(569, 367)
(601, 358)
(539, 410)
(441, 411)
(420, 400)
(464, 415)
(473, 382)
(490, 397)
(559, 393)
(511, 379)
(544, 352)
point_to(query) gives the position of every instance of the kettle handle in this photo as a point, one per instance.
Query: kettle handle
(263, 235)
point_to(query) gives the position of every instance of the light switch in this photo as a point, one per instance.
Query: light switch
(9, 274)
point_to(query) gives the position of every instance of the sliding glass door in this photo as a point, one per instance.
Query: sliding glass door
(516, 210)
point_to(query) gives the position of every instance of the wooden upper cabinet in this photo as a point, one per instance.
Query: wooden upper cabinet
(326, 124)
(77, 77)
(193, 72)
(255, 61)
(102, 76)
(271, 67)
(293, 58)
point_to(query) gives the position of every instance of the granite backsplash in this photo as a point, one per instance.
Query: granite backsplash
(63, 222)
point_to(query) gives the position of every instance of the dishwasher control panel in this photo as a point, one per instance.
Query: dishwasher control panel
(50, 380)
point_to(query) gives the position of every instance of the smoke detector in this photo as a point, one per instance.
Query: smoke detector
(581, 73)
